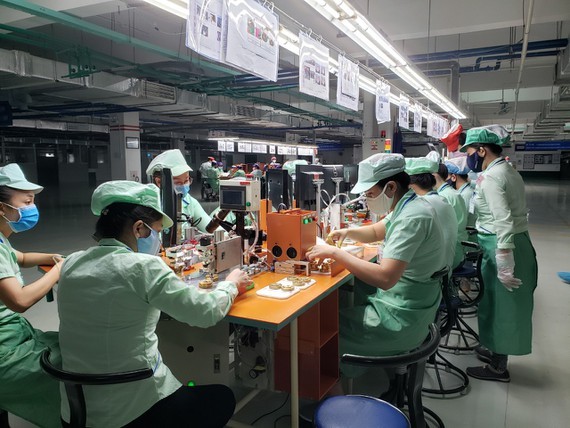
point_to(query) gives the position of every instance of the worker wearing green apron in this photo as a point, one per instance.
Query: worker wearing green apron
(25, 390)
(509, 264)
(396, 317)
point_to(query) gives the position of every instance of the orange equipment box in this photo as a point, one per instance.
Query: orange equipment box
(290, 234)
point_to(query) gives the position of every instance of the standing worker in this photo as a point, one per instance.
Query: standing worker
(213, 177)
(25, 390)
(509, 266)
(451, 195)
(395, 319)
(110, 300)
(459, 180)
(174, 160)
(205, 166)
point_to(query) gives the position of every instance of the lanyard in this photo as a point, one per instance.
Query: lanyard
(443, 187)
(465, 186)
(496, 162)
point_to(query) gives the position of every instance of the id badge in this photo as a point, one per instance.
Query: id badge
(472, 204)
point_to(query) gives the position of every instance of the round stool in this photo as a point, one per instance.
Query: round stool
(360, 411)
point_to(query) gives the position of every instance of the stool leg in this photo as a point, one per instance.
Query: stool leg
(414, 393)
(4, 423)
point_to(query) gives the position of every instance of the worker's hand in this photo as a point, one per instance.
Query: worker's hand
(337, 237)
(321, 252)
(506, 269)
(240, 279)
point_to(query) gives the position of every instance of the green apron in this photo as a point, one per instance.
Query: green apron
(25, 390)
(505, 318)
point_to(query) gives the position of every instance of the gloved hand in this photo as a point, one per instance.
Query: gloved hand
(506, 269)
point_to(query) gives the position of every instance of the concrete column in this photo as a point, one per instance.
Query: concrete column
(371, 130)
(125, 162)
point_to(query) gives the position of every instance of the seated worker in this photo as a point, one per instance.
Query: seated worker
(459, 180)
(237, 171)
(458, 204)
(174, 160)
(25, 390)
(396, 318)
(422, 182)
(257, 174)
(110, 299)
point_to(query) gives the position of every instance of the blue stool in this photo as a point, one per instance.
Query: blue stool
(345, 411)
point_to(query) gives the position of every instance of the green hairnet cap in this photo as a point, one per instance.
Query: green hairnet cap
(415, 166)
(146, 195)
(377, 167)
(171, 159)
(492, 134)
(12, 176)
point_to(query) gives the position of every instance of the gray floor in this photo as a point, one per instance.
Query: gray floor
(539, 392)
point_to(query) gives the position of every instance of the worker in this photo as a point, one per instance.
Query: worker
(25, 390)
(509, 264)
(213, 177)
(273, 161)
(422, 182)
(205, 166)
(257, 174)
(110, 299)
(174, 160)
(459, 180)
(458, 204)
(396, 318)
(317, 161)
(237, 171)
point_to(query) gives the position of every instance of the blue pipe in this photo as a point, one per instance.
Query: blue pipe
(500, 49)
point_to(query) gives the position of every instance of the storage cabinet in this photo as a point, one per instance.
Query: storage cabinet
(318, 351)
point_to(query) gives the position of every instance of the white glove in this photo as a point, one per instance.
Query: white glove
(506, 269)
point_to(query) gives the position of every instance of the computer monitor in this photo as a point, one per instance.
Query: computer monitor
(305, 190)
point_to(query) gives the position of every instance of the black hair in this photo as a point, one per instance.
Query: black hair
(493, 148)
(424, 181)
(402, 178)
(119, 215)
(462, 138)
(463, 176)
(6, 194)
(442, 171)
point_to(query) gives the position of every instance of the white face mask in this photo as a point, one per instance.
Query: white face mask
(381, 204)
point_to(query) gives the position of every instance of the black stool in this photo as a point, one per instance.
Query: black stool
(467, 338)
(407, 385)
(447, 318)
(74, 382)
(4, 419)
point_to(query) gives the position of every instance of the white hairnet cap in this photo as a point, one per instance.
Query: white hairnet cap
(457, 165)
(376, 168)
(171, 159)
(434, 156)
(12, 176)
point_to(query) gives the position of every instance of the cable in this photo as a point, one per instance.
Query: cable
(278, 419)
(271, 412)
(328, 196)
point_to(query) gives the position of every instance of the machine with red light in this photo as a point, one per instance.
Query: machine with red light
(290, 234)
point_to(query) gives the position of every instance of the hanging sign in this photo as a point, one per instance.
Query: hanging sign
(205, 28)
(258, 148)
(252, 38)
(282, 150)
(404, 111)
(313, 68)
(271, 150)
(221, 146)
(430, 125)
(382, 102)
(417, 118)
(347, 88)
(230, 146)
(304, 151)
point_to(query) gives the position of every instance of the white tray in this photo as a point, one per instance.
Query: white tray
(276, 294)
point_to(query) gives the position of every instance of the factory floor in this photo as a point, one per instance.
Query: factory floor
(539, 392)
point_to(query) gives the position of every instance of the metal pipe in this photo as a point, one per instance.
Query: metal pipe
(523, 58)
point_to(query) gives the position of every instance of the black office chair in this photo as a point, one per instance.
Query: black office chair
(405, 389)
(74, 382)
(446, 319)
(465, 339)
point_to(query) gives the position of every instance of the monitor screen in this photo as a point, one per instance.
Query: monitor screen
(232, 198)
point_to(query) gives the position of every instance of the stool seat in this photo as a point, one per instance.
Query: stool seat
(360, 411)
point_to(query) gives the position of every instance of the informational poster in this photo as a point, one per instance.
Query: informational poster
(252, 38)
(430, 125)
(417, 118)
(404, 112)
(313, 68)
(222, 146)
(347, 88)
(272, 150)
(382, 102)
(258, 148)
(230, 146)
(282, 150)
(304, 151)
(244, 147)
(205, 28)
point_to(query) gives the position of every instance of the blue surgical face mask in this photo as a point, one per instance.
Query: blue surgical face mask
(150, 244)
(29, 216)
(475, 162)
(182, 189)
